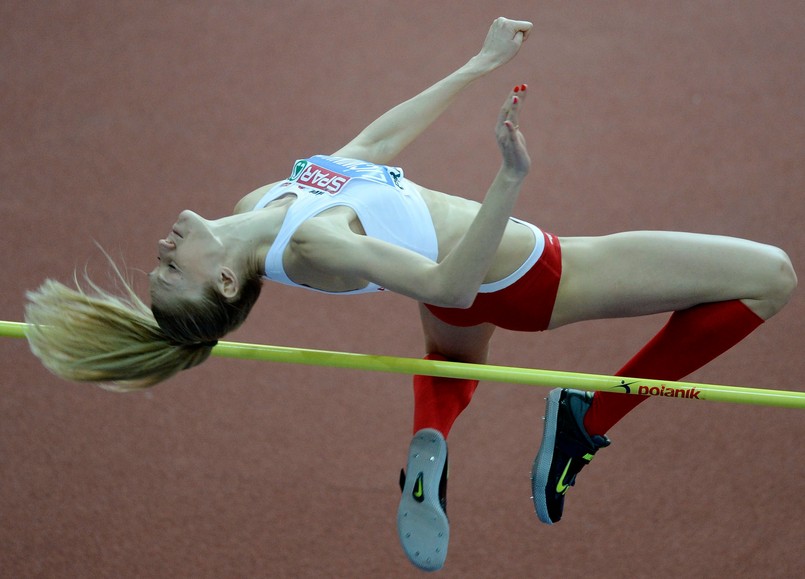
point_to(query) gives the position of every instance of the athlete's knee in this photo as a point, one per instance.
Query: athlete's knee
(781, 282)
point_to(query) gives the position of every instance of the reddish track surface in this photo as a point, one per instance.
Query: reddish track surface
(115, 116)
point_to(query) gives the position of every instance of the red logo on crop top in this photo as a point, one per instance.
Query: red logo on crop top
(312, 175)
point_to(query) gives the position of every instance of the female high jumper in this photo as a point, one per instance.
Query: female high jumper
(348, 223)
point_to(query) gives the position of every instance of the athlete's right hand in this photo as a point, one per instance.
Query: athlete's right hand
(503, 41)
(511, 141)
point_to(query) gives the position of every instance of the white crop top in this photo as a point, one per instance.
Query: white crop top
(389, 207)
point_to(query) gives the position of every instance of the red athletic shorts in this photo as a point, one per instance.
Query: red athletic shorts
(524, 306)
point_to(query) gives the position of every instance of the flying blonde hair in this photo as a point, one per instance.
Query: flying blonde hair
(88, 334)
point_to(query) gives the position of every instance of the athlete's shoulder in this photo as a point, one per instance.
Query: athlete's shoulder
(249, 201)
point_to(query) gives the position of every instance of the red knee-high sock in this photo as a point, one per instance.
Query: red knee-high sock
(439, 401)
(689, 340)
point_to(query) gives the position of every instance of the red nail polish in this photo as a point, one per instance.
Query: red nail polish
(523, 87)
(515, 100)
(517, 89)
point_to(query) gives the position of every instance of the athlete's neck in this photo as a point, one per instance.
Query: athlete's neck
(248, 236)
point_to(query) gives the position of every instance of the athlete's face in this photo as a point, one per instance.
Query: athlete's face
(188, 258)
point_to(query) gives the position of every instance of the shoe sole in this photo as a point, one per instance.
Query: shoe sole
(422, 526)
(542, 463)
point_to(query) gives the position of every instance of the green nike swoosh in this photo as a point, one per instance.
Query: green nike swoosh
(419, 493)
(561, 487)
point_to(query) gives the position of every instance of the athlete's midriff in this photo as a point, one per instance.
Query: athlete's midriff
(452, 217)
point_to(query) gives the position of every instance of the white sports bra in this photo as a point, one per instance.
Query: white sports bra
(389, 207)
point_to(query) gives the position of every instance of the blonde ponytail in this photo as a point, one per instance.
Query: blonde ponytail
(96, 336)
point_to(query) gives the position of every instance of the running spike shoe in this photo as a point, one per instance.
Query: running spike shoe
(566, 448)
(422, 523)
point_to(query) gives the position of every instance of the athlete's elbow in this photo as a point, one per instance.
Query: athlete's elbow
(464, 301)
(452, 295)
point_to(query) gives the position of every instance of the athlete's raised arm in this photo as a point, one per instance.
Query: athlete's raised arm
(382, 140)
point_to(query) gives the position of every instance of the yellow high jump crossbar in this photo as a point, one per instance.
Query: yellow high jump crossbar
(508, 374)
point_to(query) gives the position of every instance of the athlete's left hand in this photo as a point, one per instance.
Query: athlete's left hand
(510, 140)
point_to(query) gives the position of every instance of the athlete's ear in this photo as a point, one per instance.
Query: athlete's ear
(228, 283)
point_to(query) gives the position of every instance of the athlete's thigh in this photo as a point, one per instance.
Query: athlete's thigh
(647, 272)
(470, 344)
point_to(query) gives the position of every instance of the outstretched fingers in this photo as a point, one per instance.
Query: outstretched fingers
(511, 108)
(510, 139)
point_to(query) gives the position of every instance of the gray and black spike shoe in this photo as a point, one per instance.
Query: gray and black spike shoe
(566, 448)
(422, 523)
